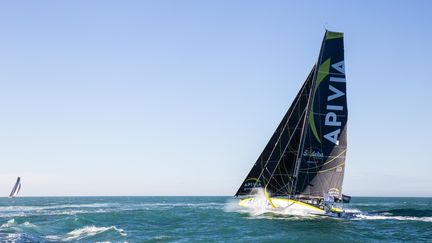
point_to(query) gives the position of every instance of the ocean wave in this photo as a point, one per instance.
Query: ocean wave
(187, 205)
(161, 237)
(52, 213)
(12, 223)
(19, 237)
(8, 224)
(58, 206)
(59, 209)
(85, 232)
(73, 209)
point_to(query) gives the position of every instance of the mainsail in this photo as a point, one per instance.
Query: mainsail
(16, 188)
(305, 157)
(322, 163)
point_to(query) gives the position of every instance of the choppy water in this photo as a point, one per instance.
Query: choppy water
(214, 219)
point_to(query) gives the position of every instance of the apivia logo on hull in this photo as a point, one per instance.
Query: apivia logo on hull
(251, 183)
(331, 116)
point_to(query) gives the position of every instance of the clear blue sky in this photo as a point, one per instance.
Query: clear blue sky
(180, 97)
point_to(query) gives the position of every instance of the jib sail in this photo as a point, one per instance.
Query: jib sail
(274, 168)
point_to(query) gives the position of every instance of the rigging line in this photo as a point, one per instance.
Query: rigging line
(286, 123)
(286, 170)
(280, 177)
(331, 160)
(277, 164)
(268, 180)
(282, 189)
(302, 135)
(277, 142)
(339, 165)
(296, 128)
(322, 171)
(276, 182)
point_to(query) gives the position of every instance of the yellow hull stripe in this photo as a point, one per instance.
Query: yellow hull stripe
(244, 201)
(268, 197)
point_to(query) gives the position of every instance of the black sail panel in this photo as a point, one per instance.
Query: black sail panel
(274, 168)
(322, 158)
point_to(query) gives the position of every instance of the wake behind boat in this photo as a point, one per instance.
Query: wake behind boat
(302, 166)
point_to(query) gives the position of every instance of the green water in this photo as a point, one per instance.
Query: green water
(205, 219)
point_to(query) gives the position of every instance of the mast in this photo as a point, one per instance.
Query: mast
(303, 137)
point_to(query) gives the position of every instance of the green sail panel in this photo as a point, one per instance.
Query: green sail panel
(275, 166)
(322, 158)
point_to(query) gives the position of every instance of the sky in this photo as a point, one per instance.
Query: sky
(180, 97)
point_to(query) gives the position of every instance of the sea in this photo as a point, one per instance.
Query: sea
(206, 219)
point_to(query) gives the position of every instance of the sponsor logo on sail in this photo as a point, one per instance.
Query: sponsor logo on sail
(313, 155)
(331, 116)
(333, 107)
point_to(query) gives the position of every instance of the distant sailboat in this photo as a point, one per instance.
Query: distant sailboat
(302, 166)
(16, 188)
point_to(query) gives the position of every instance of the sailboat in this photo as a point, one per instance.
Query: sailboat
(16, 188)
(302, 166)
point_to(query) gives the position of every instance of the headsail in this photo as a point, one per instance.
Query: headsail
(274, 168)
(16, 188)
(322, 158)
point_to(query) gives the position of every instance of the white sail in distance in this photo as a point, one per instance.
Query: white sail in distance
(16, 188)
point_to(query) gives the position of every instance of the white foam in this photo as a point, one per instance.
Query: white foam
(23, 211)
(12, 237)
(13, 223)
(58, 206)
(260, 207)
(386, 217)
(72, 209)
(9, 223)
(92, 230)
(352, 210)
(28, 224)
(86, 232)
(161, 237)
